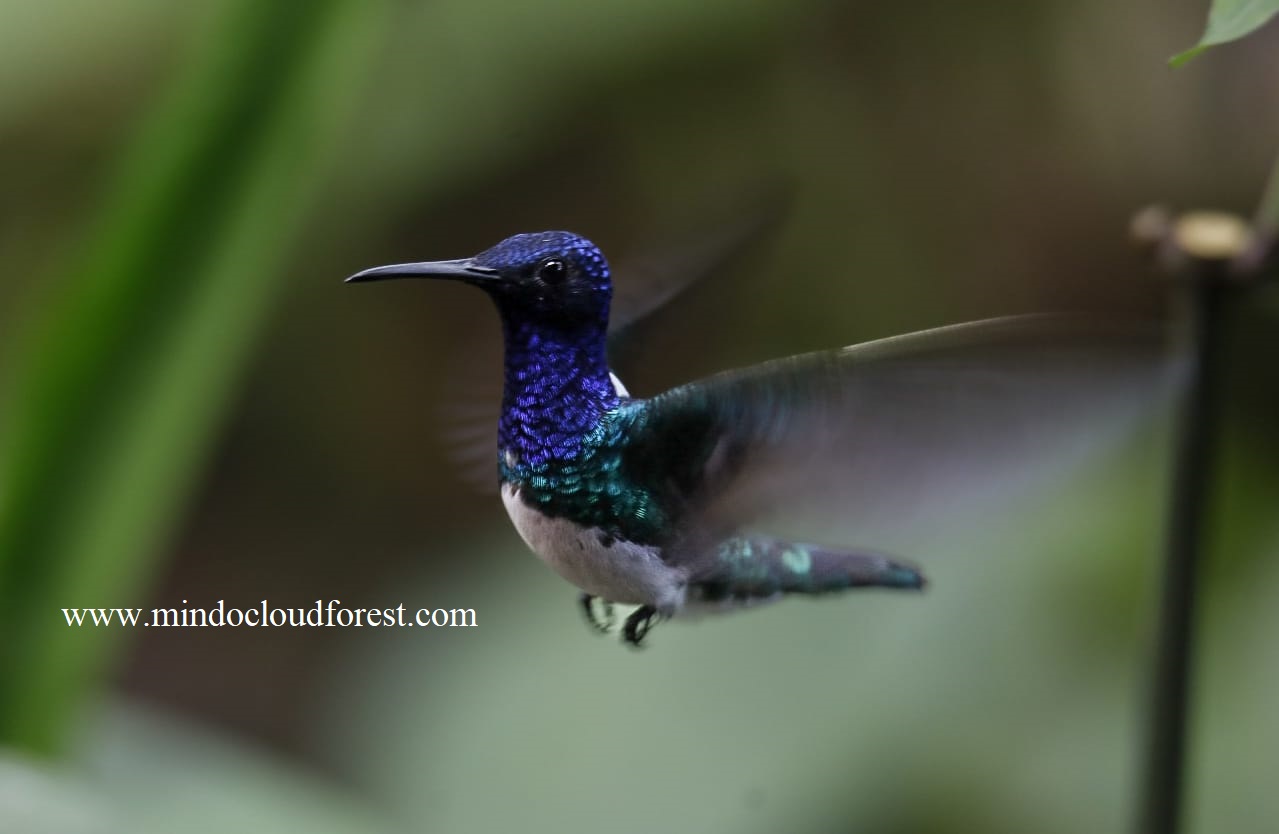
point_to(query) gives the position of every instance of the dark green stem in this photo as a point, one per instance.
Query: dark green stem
(1165, 767)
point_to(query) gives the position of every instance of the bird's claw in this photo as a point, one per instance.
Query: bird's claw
(587, 601)
(638, 625)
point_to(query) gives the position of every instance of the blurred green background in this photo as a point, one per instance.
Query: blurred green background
(192, 407)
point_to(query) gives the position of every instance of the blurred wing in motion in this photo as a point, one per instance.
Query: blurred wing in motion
(468, 424)
(899, 431)
(646, 282)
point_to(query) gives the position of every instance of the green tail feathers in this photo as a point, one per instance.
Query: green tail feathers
(756, 566)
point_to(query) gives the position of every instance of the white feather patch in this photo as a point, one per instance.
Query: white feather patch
(612, 569)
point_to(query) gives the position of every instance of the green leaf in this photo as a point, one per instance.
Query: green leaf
(114, 391)
(1230, 20)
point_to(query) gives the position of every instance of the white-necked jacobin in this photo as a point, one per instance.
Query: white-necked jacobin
(645, 501)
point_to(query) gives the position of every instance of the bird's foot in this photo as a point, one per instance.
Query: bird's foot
(604, 626)
(638, 625)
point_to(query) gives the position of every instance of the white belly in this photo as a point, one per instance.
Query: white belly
(618, 572)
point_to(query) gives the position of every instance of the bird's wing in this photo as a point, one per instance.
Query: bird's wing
(660, 272)
(899, 431)
(467, 418)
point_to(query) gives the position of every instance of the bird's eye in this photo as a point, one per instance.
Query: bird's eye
(552, 271)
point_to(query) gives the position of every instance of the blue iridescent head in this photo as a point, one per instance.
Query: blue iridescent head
(555, 279)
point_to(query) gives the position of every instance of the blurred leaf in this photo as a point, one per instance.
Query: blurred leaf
(37, 799)
(1230, 20)
(161, 774)
(138, 771)
(48, 47)
(114, 391)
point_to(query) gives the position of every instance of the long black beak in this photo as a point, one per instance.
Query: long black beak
(460, 270)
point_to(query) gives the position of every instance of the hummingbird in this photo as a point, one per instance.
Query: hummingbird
(654, 501)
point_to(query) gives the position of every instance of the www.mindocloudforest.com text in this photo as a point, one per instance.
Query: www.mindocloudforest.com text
(330, 614)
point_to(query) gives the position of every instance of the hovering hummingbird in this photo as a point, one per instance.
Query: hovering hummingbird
(648, 501)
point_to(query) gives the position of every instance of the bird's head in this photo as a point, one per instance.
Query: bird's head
(552, 279)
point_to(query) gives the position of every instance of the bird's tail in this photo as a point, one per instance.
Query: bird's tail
(756, 568)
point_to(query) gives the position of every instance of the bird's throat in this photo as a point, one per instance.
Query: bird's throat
(557, 391)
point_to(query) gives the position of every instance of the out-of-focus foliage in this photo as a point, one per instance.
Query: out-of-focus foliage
(161, 774)
(141, 772)
(1230, 20)
(115, 387)
(37, 798)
